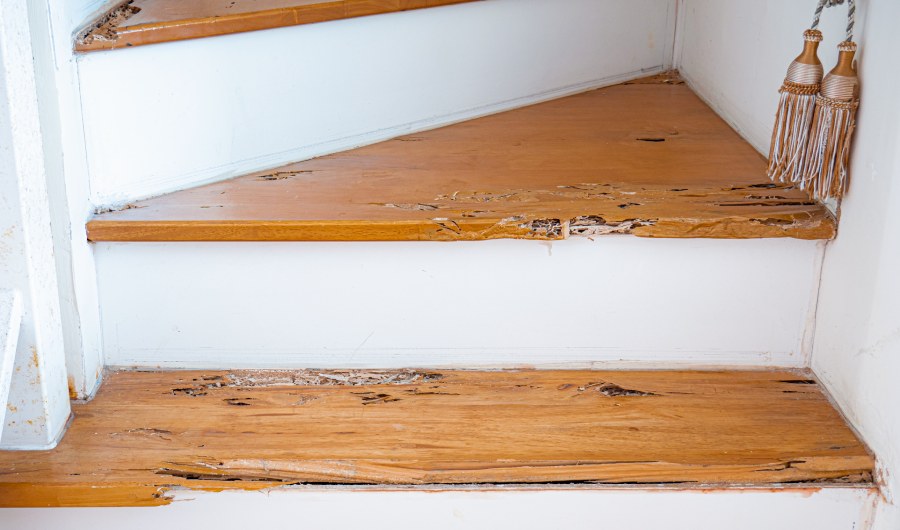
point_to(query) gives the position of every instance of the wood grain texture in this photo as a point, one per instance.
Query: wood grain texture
(646, 158)
(153, 21)
(148, 432)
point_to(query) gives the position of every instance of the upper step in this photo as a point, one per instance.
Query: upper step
(137, 22)
(647, 158)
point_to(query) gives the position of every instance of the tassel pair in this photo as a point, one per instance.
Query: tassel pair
(815, 119)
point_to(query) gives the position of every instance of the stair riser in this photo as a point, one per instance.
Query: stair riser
(619, 300)
(339, 508)
(164, 117)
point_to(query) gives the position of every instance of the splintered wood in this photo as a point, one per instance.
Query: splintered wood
(147, 433)
(646, 158)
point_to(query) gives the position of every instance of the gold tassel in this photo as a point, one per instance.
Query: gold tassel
(793, 119)
(826, 160)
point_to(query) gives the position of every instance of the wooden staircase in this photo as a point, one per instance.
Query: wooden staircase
(308, 331)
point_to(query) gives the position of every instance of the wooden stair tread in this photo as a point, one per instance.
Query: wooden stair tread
(153, 21)
(148, 432)
(647, 158)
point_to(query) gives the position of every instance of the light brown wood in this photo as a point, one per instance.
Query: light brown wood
(646, 158)
(152, 21)
(149, 432)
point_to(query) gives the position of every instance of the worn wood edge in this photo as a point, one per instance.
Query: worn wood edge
(802, 469)
(412, 230)
(99, 230)
(87, 494)
(194, 28)
(144, 494)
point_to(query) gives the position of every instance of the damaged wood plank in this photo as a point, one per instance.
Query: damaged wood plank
(577, 166)
(138, 22)
(145, 435)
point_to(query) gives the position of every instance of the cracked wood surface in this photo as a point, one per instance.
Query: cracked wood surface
(647, 158)
(148, 432)
(140, 22)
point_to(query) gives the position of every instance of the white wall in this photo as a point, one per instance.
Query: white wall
(857, 345)
(169, 116)
(618, 300)
(734, 53)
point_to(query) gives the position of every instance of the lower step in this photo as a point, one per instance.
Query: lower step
(149, 435)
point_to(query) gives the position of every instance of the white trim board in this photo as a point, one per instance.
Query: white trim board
(38, 397)
(617, 300)
(524, 508)
(10, 320)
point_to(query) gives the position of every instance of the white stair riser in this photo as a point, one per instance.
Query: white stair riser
(169, 116)
(616, 300)
(530, 508)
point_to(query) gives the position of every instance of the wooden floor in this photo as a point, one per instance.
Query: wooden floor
(646, 158)
(137, 22)
(148, 432)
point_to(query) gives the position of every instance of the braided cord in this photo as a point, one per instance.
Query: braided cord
(851, 14)
(818, 14)
(851, 18)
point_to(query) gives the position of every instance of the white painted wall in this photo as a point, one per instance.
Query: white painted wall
(622, 508)
(168, 116)
(38, 405)
(857, 340)
(857, 345)
(620, 300)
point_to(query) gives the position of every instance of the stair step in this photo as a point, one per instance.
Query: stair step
(647, 158)
(150, 432)
(138, 22)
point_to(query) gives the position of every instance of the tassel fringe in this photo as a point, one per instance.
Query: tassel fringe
(824, 171)
(790, 135)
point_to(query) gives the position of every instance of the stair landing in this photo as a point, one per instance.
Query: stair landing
(147, 433)
(647, 158)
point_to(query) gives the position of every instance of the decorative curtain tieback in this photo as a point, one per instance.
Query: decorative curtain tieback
(815, 118)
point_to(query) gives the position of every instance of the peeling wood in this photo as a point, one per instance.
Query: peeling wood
(104, 30)
(613, 390)
(139, 439)
(577, 166)
(244, 379)
(269, 378)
